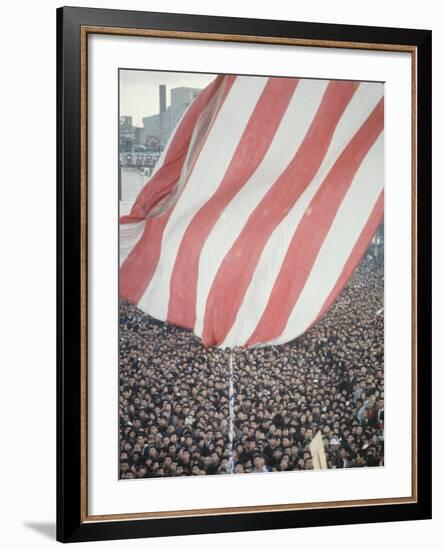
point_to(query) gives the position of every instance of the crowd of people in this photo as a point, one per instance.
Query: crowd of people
(174, 393)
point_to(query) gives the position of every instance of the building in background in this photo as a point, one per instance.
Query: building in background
(126, 134)
(161, 126)
(140, 147)
(139, 136)
(130, 137)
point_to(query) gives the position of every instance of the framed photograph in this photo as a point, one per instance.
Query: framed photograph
(244, 274)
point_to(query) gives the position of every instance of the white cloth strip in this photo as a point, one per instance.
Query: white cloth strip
(130, 234)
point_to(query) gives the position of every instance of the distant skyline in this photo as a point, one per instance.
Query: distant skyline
(139, 90)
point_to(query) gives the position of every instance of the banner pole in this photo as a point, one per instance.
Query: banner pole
(231, 414)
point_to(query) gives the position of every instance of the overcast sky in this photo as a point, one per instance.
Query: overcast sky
(139, 90)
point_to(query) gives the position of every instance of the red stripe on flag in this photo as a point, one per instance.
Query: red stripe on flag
(138, 268)
(140, 265)
(252, 147)
(357, 253)
(313, 229)
(236, 271)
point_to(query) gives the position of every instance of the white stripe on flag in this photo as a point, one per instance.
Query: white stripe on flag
(130, 234)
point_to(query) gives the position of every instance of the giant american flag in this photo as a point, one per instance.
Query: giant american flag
(260, 208)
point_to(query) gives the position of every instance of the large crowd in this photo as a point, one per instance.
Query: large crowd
(174, 393)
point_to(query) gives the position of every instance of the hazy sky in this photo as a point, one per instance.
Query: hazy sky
(139, 90)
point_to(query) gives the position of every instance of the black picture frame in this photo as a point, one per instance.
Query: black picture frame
(72, 525)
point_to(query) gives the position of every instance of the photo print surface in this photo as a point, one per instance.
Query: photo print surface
(251, 277)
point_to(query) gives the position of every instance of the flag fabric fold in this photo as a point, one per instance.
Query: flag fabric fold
(259, 210)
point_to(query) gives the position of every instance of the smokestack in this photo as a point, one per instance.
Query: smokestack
(162, 94)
